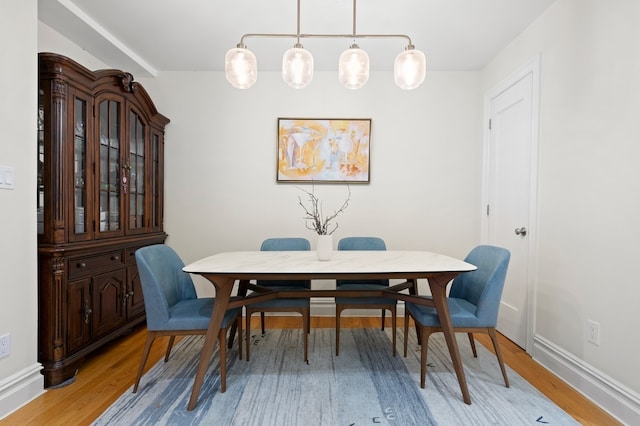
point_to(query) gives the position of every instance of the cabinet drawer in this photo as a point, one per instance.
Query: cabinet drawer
(130, 255)
(79, 266)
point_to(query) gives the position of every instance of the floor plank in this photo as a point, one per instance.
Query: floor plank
(109, 372)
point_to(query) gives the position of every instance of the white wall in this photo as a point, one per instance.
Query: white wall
(20, 379)
(50, 40)
(220, 155)
(589, 185)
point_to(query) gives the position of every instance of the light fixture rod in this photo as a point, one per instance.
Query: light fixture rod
(354, 18)
(253, 35)
(298, 21)
(298, 35)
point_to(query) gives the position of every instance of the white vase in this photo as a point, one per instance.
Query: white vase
(324, 247)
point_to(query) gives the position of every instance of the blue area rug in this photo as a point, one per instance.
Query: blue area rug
(365, 385)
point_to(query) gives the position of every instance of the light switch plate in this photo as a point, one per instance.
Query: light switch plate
(5, 346)
(6, 177)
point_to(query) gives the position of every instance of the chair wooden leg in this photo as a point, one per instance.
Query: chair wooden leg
(418, 335)
(222, 344)
(406, 331)
(262, 321)
(172, 339)
(247, 333)
(232, 334)
(473, 345)
(383, 317)
(239, 329)
(393, 331)
(233, 330)
(242, 291)
(423, 355)
(306, 321)
(151, 336)
(496, 347)
(338, 312)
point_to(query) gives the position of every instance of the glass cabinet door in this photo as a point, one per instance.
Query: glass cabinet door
(109, 178)
(79, 166)
(136, 169)
(40, 190)
(156, 202)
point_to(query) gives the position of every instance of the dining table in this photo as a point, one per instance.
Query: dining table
(407, 266)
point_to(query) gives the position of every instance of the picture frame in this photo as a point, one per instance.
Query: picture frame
(323, 150)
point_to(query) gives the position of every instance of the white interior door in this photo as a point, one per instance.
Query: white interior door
(510, 196)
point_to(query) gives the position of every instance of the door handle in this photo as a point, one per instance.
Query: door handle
(521, 231)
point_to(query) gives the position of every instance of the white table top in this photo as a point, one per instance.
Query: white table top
(341, 262)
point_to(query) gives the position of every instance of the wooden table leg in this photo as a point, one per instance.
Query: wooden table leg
(438, 286)
(242, 291)
(223, 287)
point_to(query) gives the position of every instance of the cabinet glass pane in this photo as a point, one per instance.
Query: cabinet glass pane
(109, 165)
(79, 164)
(40, 189)
(140, 175)
(155, 176)
(136, 172)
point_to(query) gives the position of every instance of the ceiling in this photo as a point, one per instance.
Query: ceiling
(149, 36)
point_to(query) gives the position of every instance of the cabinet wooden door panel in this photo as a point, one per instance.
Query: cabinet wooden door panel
(135, 301)
(78, 314)
(109, 302)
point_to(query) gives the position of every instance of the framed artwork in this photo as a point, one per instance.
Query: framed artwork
(323, 150)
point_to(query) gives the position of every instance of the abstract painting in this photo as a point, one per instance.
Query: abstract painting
(321, 150)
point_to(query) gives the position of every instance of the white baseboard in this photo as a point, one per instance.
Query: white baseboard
(19, 389)
(613, 397)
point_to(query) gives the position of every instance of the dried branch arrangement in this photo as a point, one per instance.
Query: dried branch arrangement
(314, 215)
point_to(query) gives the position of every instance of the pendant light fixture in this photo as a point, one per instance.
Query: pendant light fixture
(241, 68)
(297, 67)
(297, 63)
(353, 66)
(409, 68)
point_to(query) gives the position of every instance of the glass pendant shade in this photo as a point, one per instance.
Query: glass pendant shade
(297, 67)
(240, 67)
(353, 68)
(409, 69)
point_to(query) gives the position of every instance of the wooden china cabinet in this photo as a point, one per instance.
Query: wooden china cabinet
(99, 198)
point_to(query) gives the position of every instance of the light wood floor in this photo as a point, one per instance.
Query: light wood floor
(111, 371)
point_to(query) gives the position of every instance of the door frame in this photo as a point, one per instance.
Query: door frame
(532, 66)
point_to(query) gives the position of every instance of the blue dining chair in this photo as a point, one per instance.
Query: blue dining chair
(299, 305)
(474, 301)
(383, 303)
(173, 308)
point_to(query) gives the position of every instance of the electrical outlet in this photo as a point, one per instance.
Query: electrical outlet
(593, 332)
(5, 346)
